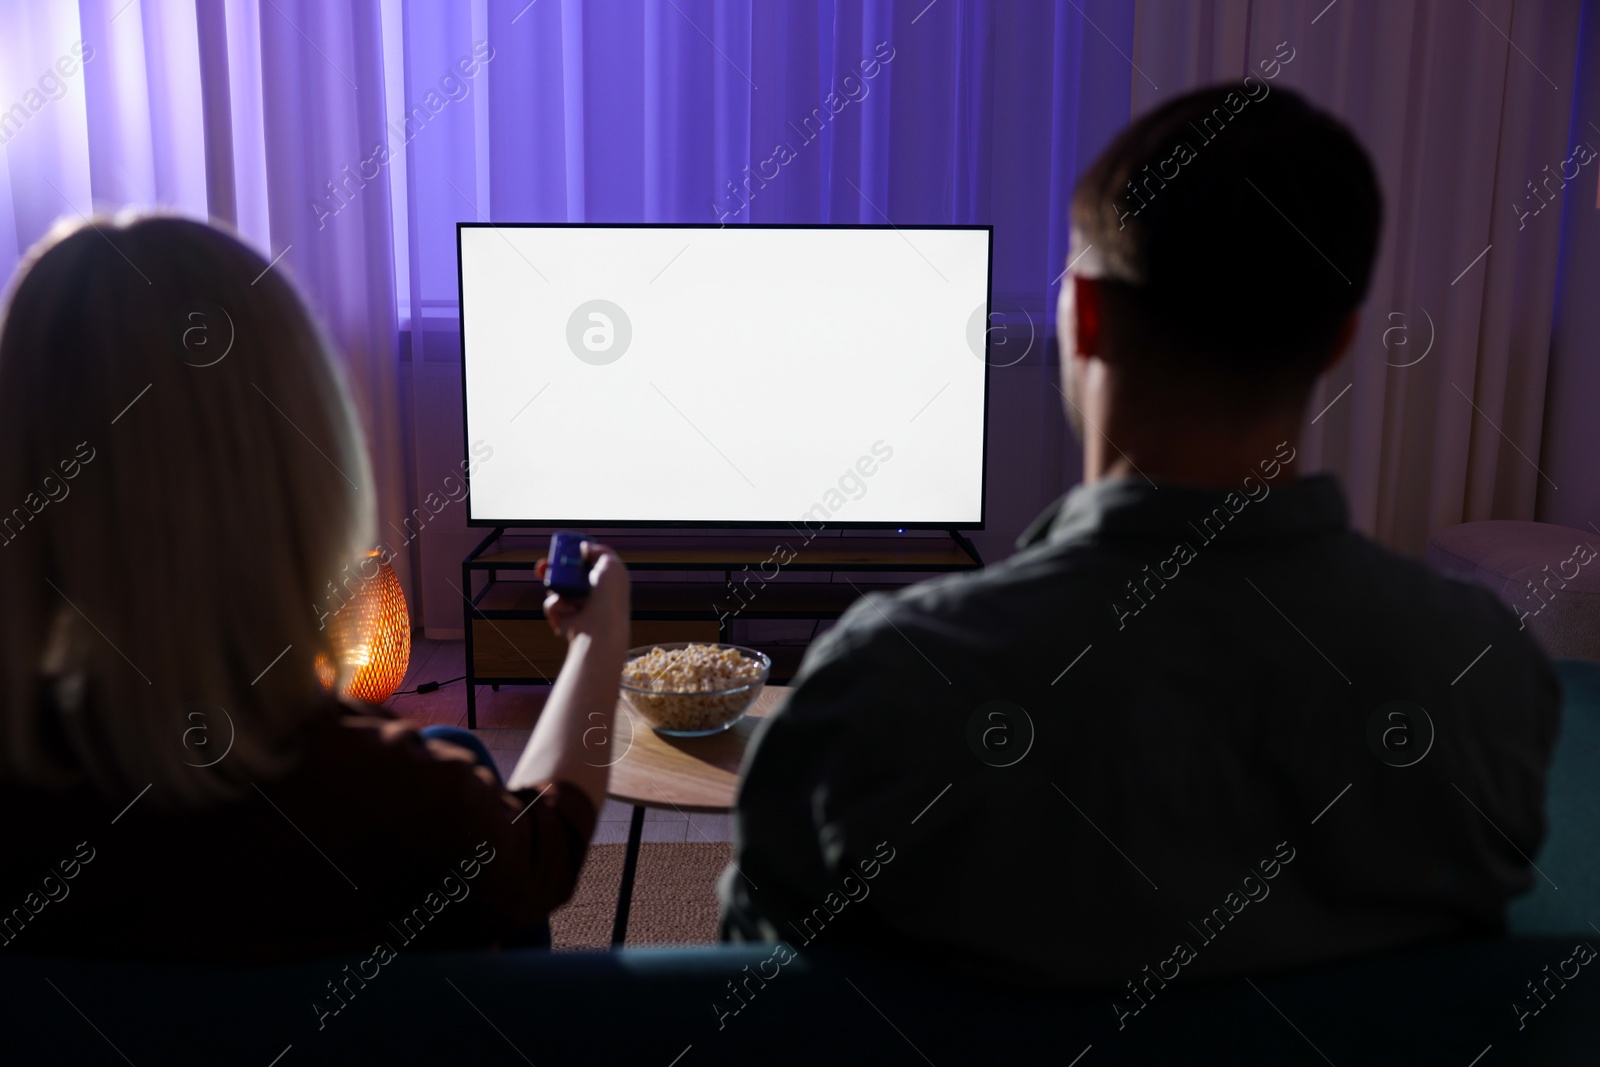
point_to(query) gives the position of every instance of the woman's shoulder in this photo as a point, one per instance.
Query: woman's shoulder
(346, 728)
(373, 755)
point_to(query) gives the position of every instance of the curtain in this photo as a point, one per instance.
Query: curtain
(348, 138)
(232, 109)
(706, 111)
(1436, 415)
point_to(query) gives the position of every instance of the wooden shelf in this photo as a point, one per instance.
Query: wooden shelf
(698, 600)
(823, 553)
(508, 640)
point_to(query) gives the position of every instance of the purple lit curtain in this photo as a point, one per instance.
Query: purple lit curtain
(706, 111)
(222, 108)
(349, 136)
(845, 111)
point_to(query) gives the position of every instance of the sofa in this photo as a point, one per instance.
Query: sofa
(1471, 1004)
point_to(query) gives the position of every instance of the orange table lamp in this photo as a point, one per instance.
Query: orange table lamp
(382, 651)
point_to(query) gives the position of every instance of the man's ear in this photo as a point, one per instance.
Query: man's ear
(1347, 335)
(1088, 307)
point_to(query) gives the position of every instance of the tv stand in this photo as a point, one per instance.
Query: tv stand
(761, 578)
(965, 545)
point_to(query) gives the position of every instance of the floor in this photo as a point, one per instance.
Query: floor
(506, 719)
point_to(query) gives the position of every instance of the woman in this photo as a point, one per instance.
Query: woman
(185, 479)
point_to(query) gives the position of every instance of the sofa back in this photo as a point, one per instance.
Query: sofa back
(1529, 996)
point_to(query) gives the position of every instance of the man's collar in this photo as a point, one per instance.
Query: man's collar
(1136, 509)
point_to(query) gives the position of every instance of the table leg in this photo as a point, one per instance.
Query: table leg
(630, 864)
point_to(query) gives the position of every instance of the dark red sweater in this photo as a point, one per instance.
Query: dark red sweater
(374, 836)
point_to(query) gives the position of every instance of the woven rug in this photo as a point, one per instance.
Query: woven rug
(674, 897)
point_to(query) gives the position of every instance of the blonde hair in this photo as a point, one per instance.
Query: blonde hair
(183, 476)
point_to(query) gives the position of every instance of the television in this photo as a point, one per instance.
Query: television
(755, 376)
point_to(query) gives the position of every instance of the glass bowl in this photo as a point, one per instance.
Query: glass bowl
(685, 712)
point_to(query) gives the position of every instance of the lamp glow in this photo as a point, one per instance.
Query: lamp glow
(382, 651)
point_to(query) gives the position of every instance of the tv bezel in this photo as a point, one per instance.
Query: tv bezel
(719, 524)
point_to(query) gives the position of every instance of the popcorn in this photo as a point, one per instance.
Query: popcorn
(686, 689)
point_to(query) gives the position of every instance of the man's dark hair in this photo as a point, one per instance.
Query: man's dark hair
(1237, 227)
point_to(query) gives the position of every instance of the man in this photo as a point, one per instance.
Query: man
(1196, 725)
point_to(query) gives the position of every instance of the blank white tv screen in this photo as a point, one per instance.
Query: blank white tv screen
(745, 376)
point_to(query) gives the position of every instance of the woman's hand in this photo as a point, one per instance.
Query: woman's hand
(602, 616)
(585, 692)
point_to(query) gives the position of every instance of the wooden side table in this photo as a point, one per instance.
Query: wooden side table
(699, 774)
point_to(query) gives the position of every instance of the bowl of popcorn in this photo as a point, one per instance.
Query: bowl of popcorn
(692, 689)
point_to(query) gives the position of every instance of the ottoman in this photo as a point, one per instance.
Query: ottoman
(1547, 574)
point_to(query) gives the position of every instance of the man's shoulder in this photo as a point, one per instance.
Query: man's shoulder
(1017, 603)
(962, 624)
(1008, 588)
(1438, 623)
(1411, 590)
